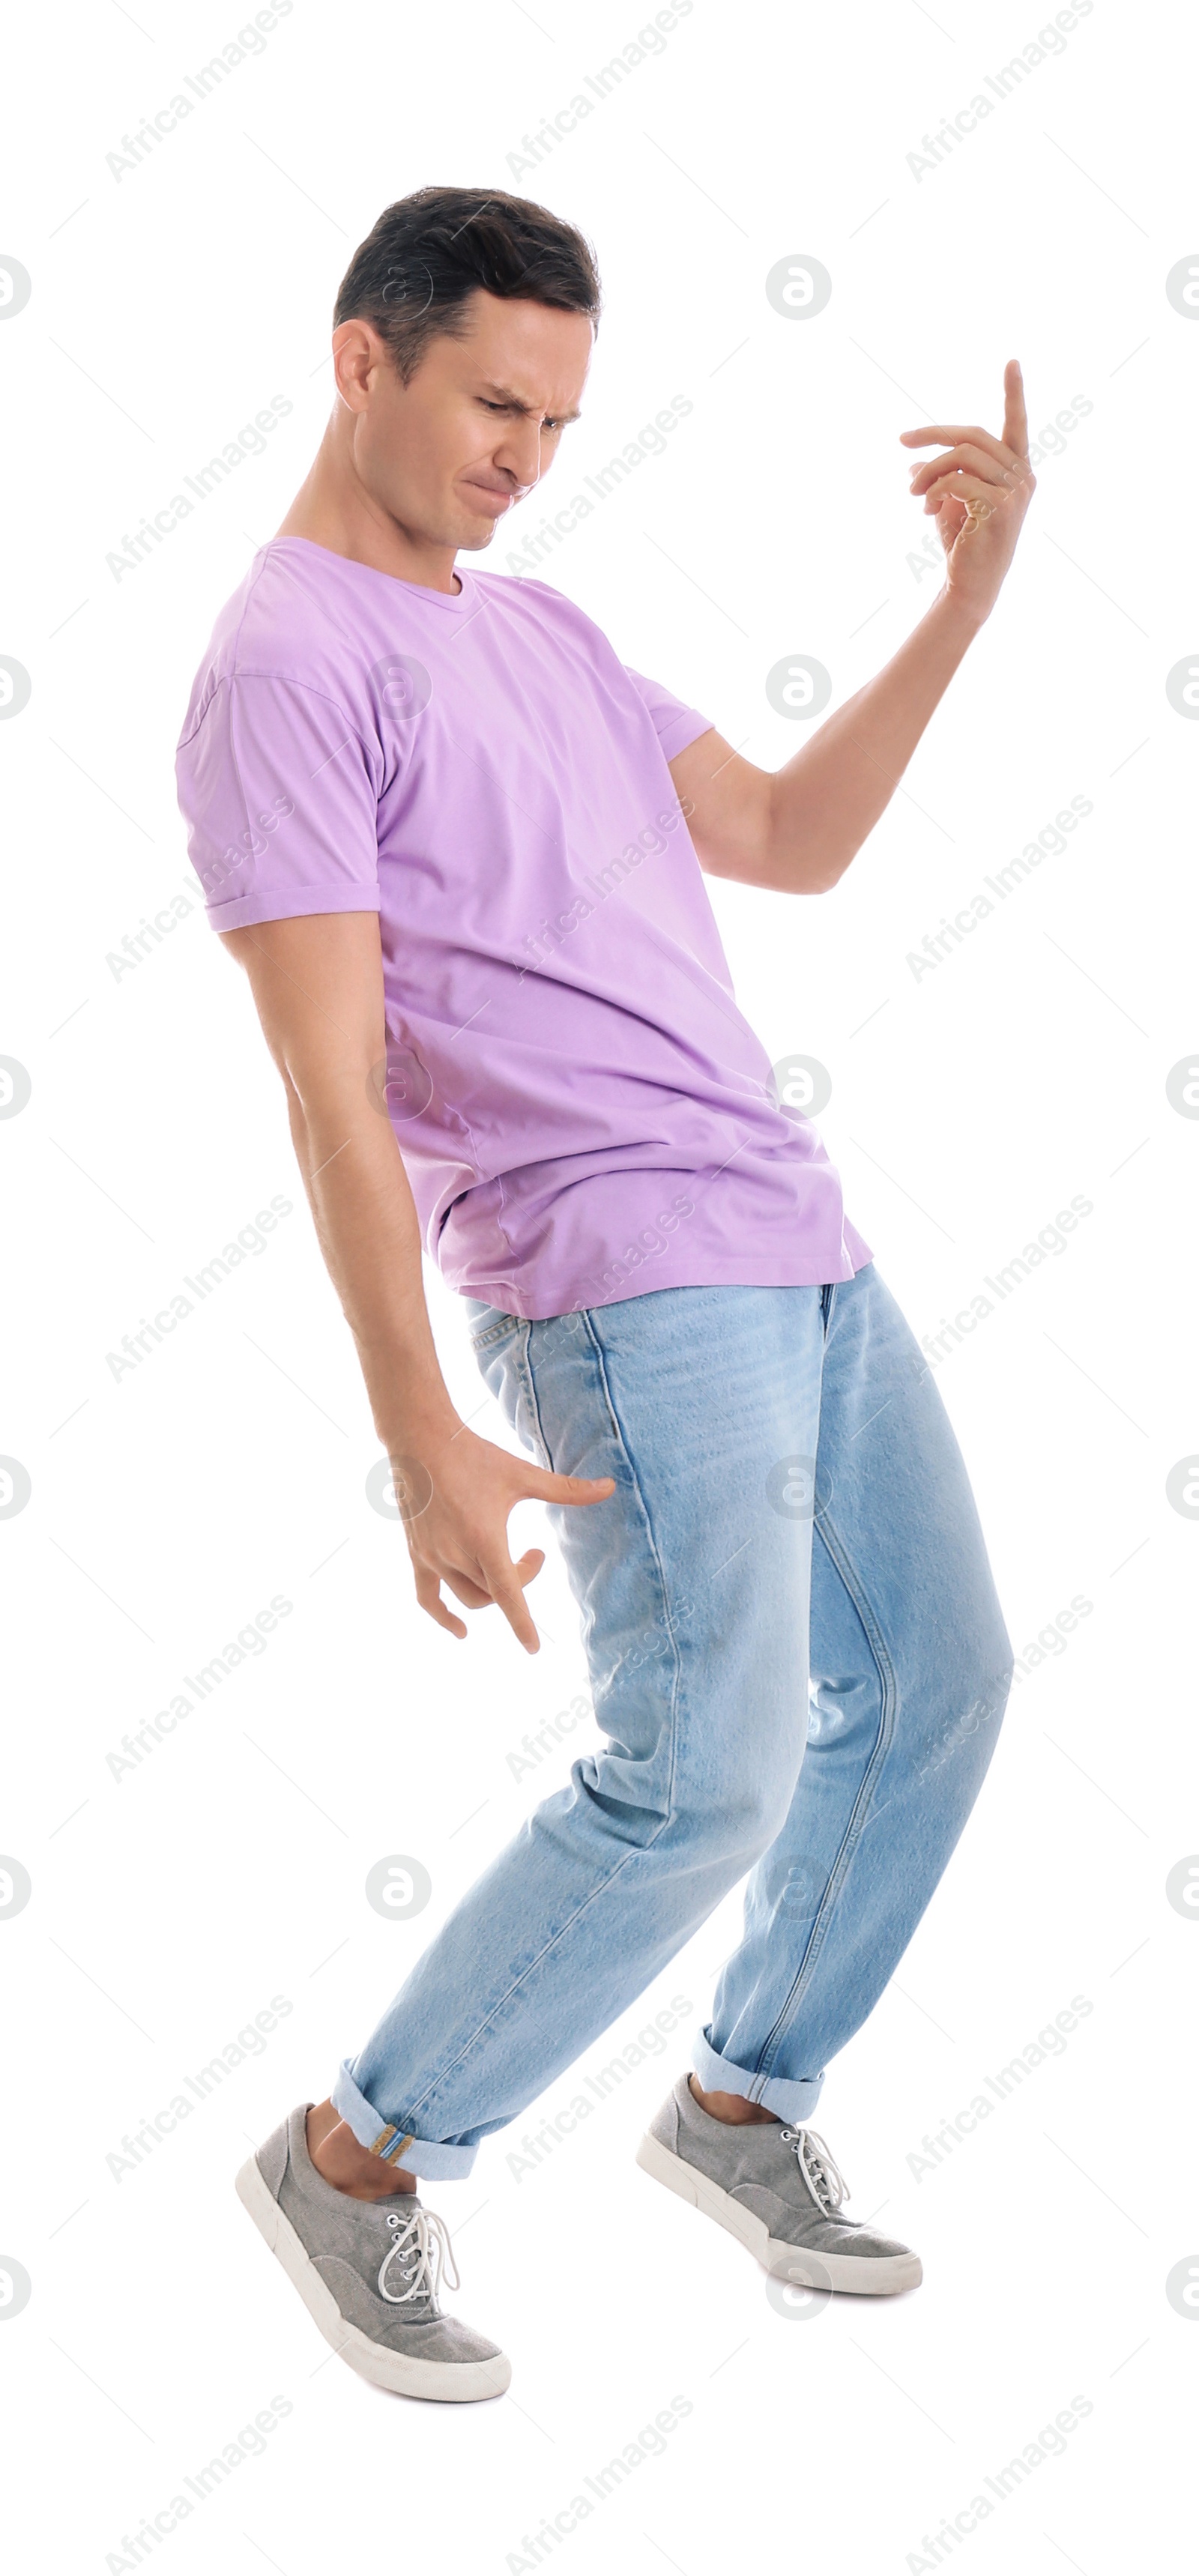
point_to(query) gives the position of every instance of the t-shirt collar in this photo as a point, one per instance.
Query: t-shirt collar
(454, 601)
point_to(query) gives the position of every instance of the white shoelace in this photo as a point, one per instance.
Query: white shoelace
(421, 2248)
(825, 2181)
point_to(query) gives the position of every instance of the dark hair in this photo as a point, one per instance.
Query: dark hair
(428, 253)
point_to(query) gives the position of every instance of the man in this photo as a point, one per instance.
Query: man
(457, 847)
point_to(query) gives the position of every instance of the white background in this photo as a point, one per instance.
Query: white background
(170, 1904)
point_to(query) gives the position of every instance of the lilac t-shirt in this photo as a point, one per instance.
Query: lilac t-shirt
(582, 1110)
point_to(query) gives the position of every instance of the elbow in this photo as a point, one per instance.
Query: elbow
(809, 871)
(803, 861)
(821, 867)
(296, 1120)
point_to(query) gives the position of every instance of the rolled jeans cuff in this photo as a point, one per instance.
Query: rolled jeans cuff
(792, 2101)
(428, 2157)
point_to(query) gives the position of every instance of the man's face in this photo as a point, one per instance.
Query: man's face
(449, 454)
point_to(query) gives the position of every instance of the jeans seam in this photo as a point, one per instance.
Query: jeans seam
(857, 1819)
(655, 1552)
(530, 1387)
(411, 2119)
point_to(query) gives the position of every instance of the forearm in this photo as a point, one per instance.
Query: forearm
(827, 799)
(369, 1235)
(317, 981)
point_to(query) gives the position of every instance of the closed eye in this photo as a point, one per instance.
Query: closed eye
(554, 425)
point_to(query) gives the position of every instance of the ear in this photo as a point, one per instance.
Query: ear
(357, 352)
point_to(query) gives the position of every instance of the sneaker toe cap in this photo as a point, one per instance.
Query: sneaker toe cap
(838, 2236)
(394, 2324)
(446, 2339)
(798, 2223)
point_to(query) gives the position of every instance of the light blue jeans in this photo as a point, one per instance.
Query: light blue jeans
(790, 1502)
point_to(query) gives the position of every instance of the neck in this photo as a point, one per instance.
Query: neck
(334, 509)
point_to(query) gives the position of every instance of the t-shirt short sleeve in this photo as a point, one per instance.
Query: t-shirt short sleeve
(675, 724)
(279, 795)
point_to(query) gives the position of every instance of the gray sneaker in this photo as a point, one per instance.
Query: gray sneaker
(778, 2190)
(369, 2272)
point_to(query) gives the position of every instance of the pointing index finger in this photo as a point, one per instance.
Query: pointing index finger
(1015, 417)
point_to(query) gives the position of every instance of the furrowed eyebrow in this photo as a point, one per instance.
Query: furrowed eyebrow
(504, 394)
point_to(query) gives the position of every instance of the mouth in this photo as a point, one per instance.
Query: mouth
(487, 502)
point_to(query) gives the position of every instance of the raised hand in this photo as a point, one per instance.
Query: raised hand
(978, 493)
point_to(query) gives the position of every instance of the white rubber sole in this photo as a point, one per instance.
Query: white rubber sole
(877, 2276)
(455, 2382)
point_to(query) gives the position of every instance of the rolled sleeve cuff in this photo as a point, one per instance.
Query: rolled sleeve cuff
(245, 911)
(682, 731)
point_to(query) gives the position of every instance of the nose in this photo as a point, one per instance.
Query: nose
(519, 455)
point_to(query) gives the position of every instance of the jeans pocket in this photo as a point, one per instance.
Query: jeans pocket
(490, 1329)
(502, 1351)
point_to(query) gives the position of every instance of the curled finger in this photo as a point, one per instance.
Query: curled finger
(428, 1593)
(504, 1582)
(973, 460)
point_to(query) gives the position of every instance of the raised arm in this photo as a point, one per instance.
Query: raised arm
(796, 829)
(318, 986)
